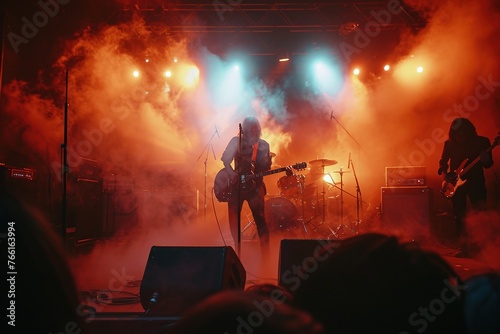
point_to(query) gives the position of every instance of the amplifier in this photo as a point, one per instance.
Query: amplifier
(17, 172)
(405, 176)
(407, 209)
(87, 169)
(20, 182)
(22, 173)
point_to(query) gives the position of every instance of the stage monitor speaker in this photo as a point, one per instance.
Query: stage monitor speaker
(176, 278)
(407, 209)
(297, 257)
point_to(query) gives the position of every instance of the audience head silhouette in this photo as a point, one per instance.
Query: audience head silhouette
(374, 283)
(260, 310)
(42, 292)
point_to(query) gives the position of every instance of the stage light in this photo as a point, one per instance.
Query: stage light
(192, 75)
(236, 68)
(284, 57)
(356, 71)
(319, 67)
(420, 69)
(176, 60)
(327, 74)
(387, 68)
(168, 73)
(135, 73)
(328, 179)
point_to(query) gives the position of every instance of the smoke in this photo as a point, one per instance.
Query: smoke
(485, 234)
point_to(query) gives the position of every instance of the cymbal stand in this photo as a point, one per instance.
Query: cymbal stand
(340, 228)
(324, 202)
(300, 199)
(303, 218)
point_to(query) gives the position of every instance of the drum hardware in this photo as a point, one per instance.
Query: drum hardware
(291, 185)
(253, 234)
(340, 228)
(322, 163)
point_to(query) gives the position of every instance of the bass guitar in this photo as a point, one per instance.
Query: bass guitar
(224, 188)
(453, 180)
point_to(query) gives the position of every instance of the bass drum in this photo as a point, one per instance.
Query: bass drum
(281, 215)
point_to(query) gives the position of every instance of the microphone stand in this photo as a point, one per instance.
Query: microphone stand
(64, 169)
(358, 198)
(358, 190)
(209, 144)
(237, 165)
(343, 128)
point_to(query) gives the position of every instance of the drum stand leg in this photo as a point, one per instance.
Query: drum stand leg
(340, 229)
(302, 217)
(305, 221)
(247, 226)
(323, 213)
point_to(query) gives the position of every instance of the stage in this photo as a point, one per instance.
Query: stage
(110, 284)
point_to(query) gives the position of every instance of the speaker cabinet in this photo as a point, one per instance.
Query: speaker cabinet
(299, 256)
(176, 278)
(407, 209)
(84, 210)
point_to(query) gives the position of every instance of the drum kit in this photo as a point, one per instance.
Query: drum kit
(302, 203)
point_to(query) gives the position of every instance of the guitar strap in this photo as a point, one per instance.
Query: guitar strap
(254, 155)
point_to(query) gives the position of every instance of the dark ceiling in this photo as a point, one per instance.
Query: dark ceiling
(264, 27)
(254, 27)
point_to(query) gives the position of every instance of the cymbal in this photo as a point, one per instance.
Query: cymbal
(323, 162)
(341, 171)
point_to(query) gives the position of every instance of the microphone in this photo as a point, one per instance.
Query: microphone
(349, 162)
(217, 132)
(241, 130)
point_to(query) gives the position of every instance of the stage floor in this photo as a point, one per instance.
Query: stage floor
(110, 272)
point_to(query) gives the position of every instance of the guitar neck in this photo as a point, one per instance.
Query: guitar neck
(269, 172)
(475, 161)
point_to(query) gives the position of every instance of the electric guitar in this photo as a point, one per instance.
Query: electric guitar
(224, 188)
(453, 180)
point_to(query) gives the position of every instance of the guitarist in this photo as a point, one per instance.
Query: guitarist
(254, 158)
(465, 144)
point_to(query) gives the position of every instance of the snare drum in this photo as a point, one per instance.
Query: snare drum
(291, 185)
(281, 214)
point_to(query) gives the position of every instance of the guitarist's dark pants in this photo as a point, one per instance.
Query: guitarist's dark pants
(256, 202)
(476, 192)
